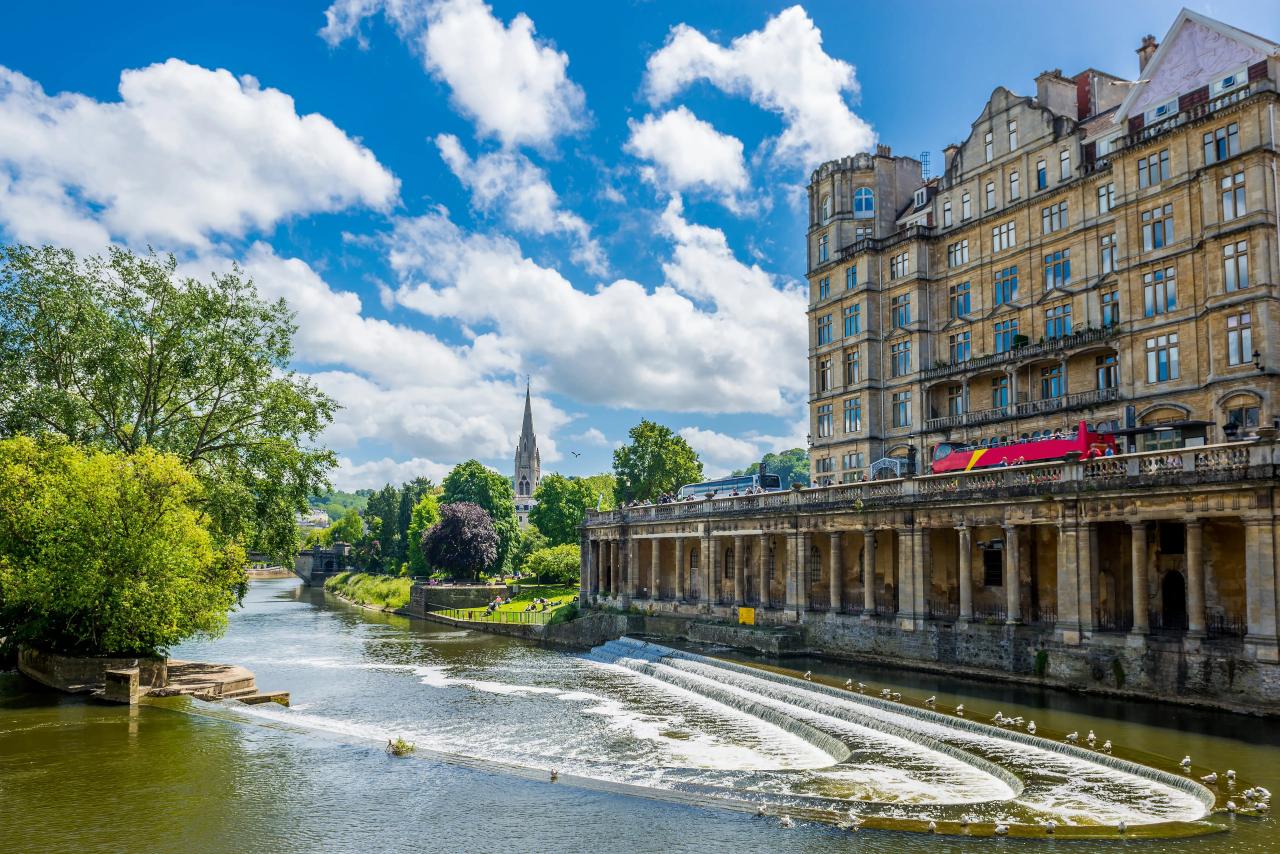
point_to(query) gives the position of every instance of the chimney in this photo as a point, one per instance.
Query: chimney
(1148, 49)
(882, 150)
(948, 154)
(1057, 93)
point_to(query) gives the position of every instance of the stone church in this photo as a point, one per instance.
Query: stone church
(528, 468)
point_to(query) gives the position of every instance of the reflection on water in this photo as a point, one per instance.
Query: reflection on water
(189, 777)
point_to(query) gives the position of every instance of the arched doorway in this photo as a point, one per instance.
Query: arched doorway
(1173, 601)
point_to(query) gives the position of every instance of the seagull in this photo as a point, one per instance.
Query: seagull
(1231, 775)
(1121, 826)
(862, 689)
(760, 810)
(1210, 778)
(1091, 738)
(886, 693)
(575, 453)
(555, 775)
(848, 684)
(1031, 727)
(1049, 826)
(896, 696)
(933, 827)
(998, 720)
(964, 821)
(807, 674)
(931, 702)
(786, 821)
(1001, 829)
(1186, 763)
(855, 820)
(1263, 792)
(1231, 806)
(1106, 746)
(1073, 737)
(960, 710)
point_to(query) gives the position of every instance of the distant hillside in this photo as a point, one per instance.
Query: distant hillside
(337, 503)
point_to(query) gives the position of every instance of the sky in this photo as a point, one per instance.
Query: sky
(457, 197)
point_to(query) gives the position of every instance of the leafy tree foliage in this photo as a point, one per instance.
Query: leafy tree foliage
(475, 483)
(530, 540)
(555, 565)
(463, 543)
(336, 503)
(410, 494)
(562, 505)
(791, 467)
(602, 487)
(426, 513)
(381, 516)
(119, 352)
(105, 552)
(657, 461)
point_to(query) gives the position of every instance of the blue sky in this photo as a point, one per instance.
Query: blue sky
(454, 195)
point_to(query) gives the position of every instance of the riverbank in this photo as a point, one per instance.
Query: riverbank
(381, 592)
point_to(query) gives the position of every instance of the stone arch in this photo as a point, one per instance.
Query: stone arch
(1157, 408)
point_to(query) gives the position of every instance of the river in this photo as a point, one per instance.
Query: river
(491, 715)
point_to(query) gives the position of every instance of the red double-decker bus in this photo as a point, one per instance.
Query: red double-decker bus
(1083, 443)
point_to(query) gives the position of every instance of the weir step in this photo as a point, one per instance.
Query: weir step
(281, 697)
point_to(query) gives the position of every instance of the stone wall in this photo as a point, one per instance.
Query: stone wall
(83, 673)
(438, 597)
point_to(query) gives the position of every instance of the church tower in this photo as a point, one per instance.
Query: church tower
(528, 464)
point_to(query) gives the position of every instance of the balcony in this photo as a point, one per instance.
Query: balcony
(1026, 409)
(1029, 351)
(1227, 99)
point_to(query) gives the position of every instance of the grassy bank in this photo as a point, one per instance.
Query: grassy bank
(378, 591)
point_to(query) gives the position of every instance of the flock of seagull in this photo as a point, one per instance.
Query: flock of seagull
(1256, 798)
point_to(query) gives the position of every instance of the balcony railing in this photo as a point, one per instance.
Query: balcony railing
(1079, 400)
(1018, 354)
(1209, 463)
(1227, 99)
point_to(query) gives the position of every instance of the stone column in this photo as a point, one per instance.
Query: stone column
(739, 573)
(803, 550)
(611, 583)
(763, 566)
(705, 590)
(869, 573)
(1012, 575)
(655, 568)
(680, 570)
(966, 573)
(584, 570)
(795, 571)
(630, 570)
(1087, 573)
(1141, 593)
(911, 579)
(1195, 578)
(1067, 627)
(836, 575)
(1260, 587)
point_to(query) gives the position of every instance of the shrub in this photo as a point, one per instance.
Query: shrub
(382, 591)
(558, 564)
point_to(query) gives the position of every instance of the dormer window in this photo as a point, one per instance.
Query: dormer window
(920, 197)
(1162, 111)
(1226, 84)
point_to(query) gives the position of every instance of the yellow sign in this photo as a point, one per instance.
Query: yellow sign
(747, 616)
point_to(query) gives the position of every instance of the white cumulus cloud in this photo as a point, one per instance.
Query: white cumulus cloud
(372, 474)
(688, 153)
(781, 68)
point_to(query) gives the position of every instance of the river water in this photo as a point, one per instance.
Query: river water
(649, 751)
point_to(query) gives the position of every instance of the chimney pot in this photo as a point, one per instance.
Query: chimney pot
(1146, 51)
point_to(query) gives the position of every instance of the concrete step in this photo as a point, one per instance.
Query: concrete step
(281, 697)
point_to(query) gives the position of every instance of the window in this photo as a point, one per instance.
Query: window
(852, 367)
(1235, 266)
(992, 567)
(1106, 371)
(959, 346)
(1006, 331)
(1110, 308)
(1106, 197)
(1053, 218)
(1000, 391)
(1153, 169)
(1221, 144)
(1168, 108)
(1057, 321)
(1003, 237)
(1243, 415)
(900, 310)
(1233, 196)
(1231, 81)
(955, 400)
(959, 299)
(1239, 338)
(988, 150)
(824, 375)
(900, 358)
(1157, 227)
(852, 320)
(1162, 358)
(1051, 382)
(853, 415)
(824, 329)
(958, 253)
(862, 232)
(1013, 135)
(898, 265)
(1159, 291)
(1042, 175)
(1014, 190)
(824, 464)
(921, 197)
(852, 461)
(1057, 269)
(864, 203)
(1107, 254)
(693, 558)
(826, 208)
(946, 214)
(991, 195)
(824, 421)
(851, 278)
(1006, 285)
(1064, 165)
(824, 248)
(966, 208)
(728, 562)
(902, 409)
(824, 287)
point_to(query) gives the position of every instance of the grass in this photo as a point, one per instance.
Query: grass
(400, 747)
(560, 602)
(379, 591)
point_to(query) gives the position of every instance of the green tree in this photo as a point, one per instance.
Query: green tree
(562, 505)
(475, 483)
(349, 529)
(555, 565)
(385, 506)
(426, 513)
(657, 461)
(602, 488)
(105, 552)
(410, 494)
(119, 352)
(791, 467)
(529, 541)
(463, 543)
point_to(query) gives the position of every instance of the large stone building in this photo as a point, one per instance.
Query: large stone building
(1104, 251)
(528, 465)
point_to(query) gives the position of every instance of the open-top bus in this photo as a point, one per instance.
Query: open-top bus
(1083, 442)
(728, 485)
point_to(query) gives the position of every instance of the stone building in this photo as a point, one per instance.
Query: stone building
(528, 465)
(1080, 259)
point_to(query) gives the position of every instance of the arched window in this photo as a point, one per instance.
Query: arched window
(815, 565)
(524, 486)
(864, 203)
(826, 208)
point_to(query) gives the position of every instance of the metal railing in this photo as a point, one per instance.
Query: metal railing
(483, 615)
(1026, 351)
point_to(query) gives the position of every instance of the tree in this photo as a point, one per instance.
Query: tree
(556, 565)
(410, 494)
(475, 483)
(384, 505)
(119, 352)
(463, 543)
(349, 529)
(602, 487)
(791, 467)
(529, 541)
(107, 553)
(656, 462)
(561, 506)
(426, 513)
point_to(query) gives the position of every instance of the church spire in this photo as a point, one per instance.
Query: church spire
(526, 430)
(528, 462)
